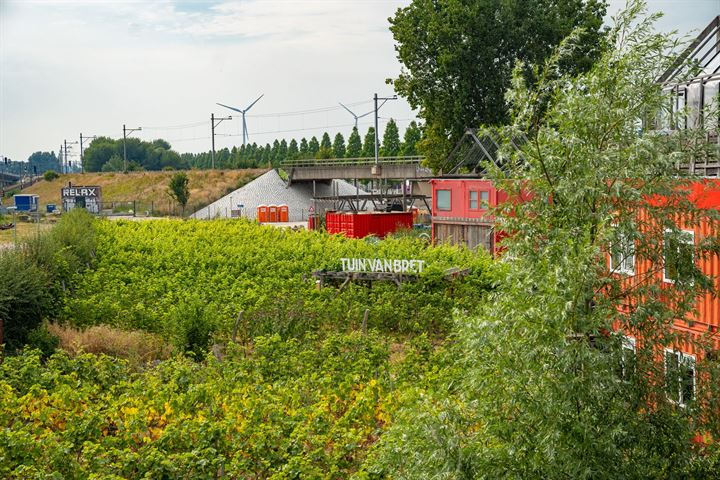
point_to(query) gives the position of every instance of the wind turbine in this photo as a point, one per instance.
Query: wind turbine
(242, 112)
(356, 116)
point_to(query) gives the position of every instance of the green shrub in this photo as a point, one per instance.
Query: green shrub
(42, 339)
(50, 175)
(24, 297)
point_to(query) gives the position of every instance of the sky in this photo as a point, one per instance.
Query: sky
(72, 67)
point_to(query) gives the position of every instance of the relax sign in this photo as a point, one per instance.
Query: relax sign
(380, 265)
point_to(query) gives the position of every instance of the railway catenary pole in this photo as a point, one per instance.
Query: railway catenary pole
(212, 134)
(126, 132)
(82, 163)
(377, 137)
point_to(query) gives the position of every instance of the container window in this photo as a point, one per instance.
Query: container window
(473, 200)
(442, 199)
(622, 255)
(679, 256)
(484, 199)
(679, 377)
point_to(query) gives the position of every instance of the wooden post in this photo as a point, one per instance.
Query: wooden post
(235, 328)
(363, 329)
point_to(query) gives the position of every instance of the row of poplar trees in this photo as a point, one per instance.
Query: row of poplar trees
(254, 155)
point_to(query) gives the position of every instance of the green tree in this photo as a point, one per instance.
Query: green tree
(354, 148)
(179, 189)
(368, 148)
(325, 141)
(338, 146)
(313, 147)
(391, 140)
(458, 56)
(413, 134)
(304, 148)
(293, 150)
(539, 388)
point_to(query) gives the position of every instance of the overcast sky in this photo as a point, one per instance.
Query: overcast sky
(69, 67)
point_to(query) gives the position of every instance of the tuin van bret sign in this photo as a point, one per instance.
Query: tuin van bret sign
(382, 265)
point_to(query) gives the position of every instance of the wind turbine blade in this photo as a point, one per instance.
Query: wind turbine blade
(231, 108)
(253, 103)
(366, 114)
(349, 111)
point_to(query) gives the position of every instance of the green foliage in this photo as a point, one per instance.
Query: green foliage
(24, 298)
(148, 273)
(354, 148)
(325, 141)
(368, 148)
(179, 190)
(473, 46)
(107, 155)
(313, 146)
(50, 175)
(42, 339)
(338, 146)
(43, 162)
(391, 140)
(274, 409)
(538, 387)
(34, 278)
(413, 135)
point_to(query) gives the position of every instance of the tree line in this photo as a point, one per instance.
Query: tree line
(107, 154)
(254, 155)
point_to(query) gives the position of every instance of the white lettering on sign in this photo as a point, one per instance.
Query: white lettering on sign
(377, 265)
(80, 192)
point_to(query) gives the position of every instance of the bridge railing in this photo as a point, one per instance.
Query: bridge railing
(346, 162)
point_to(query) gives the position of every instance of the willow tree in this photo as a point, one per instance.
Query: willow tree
(540, 385)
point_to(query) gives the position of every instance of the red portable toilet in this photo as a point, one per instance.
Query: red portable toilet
(262, 213)
(284, 213)
(272, 213)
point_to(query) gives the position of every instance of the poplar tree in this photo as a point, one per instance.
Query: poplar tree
(368, 148)
(339, 146)
(354, 147)
(391, 140)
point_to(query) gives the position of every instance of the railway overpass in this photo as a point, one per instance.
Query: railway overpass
(386, 168)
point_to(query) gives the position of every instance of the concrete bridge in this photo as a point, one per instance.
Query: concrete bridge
(387, 168)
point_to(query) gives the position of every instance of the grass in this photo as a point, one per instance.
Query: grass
(135, 346)
(149, 189)
(25, 230)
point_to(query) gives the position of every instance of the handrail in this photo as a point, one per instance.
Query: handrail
(359, 161)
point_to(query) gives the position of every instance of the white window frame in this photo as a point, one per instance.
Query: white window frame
(471, 199)
(437, 198)
(484, 199)
(627, 261)
(690, 241)
(629, 344)
(683, 359)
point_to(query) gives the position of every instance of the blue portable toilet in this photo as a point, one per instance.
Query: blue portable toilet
(26, 202)
(51, 207)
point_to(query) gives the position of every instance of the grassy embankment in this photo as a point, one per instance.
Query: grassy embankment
(149, 188)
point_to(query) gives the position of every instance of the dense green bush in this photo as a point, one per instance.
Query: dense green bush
(50, 175)
(35, 277)
(186, 278)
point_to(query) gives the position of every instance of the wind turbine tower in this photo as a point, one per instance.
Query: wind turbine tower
(356, 116)
(242, 112)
